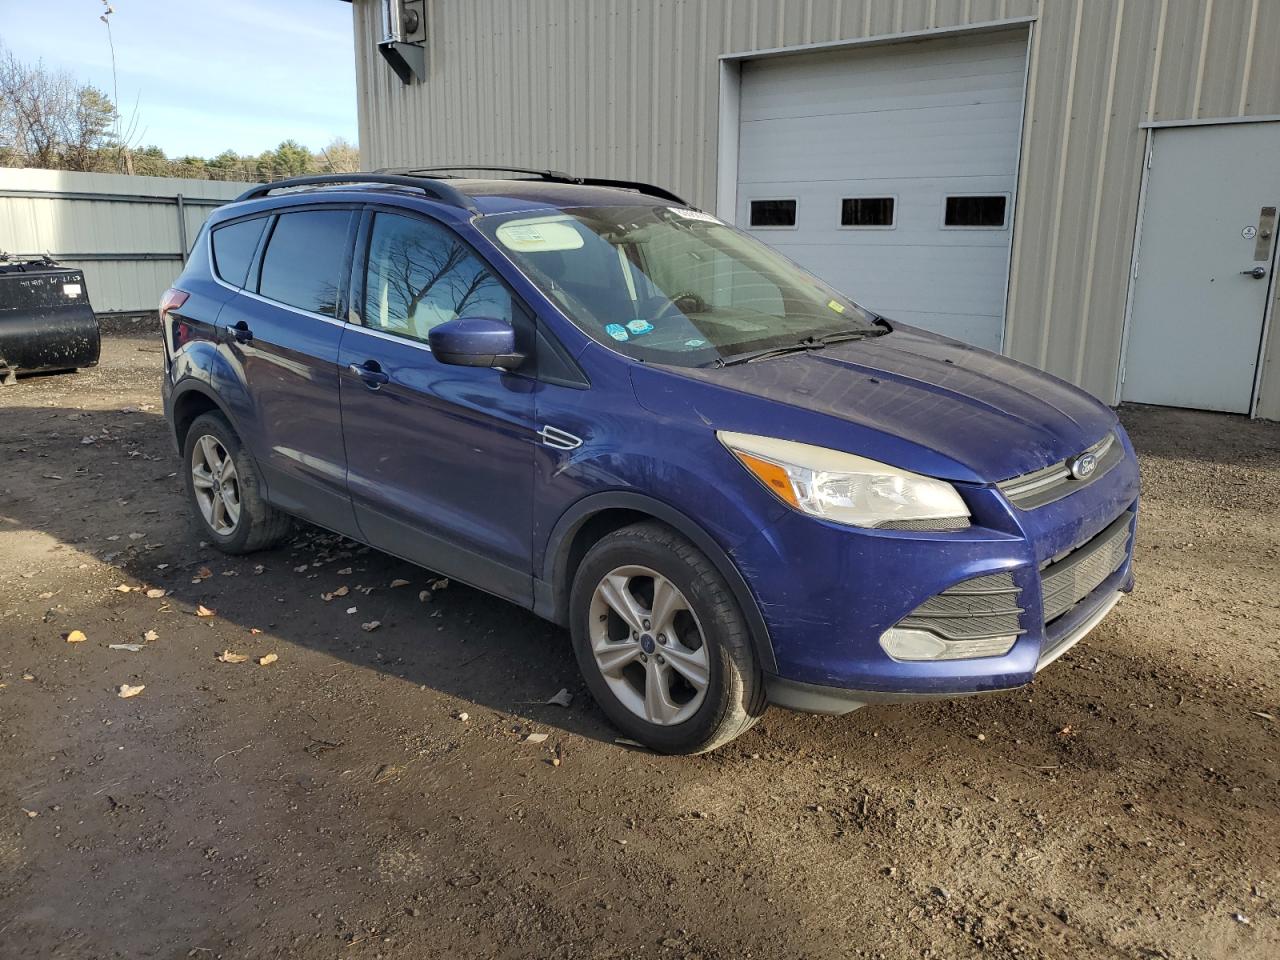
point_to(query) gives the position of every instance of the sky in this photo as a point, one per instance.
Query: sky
(204, 76)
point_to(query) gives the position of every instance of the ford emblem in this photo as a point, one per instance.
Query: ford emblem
(1082, 467)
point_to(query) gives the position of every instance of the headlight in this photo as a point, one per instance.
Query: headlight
(846, 488)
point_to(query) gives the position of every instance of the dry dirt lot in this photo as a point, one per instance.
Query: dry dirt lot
(333, 804)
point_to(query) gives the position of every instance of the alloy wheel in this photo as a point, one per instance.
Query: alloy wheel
(216, 485)
(649, 645)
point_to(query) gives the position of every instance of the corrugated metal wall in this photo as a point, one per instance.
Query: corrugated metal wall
(629, 88)
(129, 248)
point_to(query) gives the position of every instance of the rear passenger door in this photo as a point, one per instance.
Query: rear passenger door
(439, 457)
(283, 331)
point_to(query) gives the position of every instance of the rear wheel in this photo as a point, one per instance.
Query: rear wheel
(223, 485)
(662, 643)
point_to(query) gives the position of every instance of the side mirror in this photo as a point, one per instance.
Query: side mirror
(475, 342)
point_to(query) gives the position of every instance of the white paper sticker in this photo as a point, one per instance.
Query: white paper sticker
(71, 290)
(689, 214)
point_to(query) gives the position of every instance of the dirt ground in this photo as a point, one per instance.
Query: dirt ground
(334, 804)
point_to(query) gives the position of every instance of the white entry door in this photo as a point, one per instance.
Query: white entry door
(890, 173)
(1205, 258)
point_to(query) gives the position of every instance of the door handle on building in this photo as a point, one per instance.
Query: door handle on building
(1256, 272)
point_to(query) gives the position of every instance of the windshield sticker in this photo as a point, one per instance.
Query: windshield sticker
(837, 307)
(689, 214)
(638, 327)
(617, 331)
(695, 342)
(542, 235)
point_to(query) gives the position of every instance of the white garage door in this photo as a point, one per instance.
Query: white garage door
(890, 173)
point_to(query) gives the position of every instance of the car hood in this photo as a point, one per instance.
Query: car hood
(931, 404)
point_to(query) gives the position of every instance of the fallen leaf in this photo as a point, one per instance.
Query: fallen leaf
(399, 583)
(1263, 714)
(341, 591)
(124, 588)
(76, 636)
(52, 476)
(226, 656)
(440, 584)
(151, 636)
(27, 676)
(562, 699)
(155, 593)
(131, 647)
(386, 772)
(424, 595)
(204, 573)
(136, 536)
(126, 691)
(258, 568)
(300, 569)
(203, 611)
(344, 572)
(266, 661)
(255, 631)
(47, 595)
(536, 737)
(352, 609)
(31, 813)
(371, 626)
(463, 716)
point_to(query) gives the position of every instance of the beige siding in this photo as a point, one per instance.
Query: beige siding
(624, 88)
(125, 229)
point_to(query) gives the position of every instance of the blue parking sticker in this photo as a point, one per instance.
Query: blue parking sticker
(694, 343)
(617, 331)
(638, 327)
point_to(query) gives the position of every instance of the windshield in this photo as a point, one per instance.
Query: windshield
(673, 285)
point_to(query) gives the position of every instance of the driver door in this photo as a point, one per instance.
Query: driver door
(439, 457)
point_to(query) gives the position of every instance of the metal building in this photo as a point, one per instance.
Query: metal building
(1088, 186)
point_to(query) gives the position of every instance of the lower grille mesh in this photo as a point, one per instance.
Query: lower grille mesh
(1066, 582)
(971, 610)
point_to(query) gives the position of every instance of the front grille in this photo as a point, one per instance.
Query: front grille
(1035, 489)
(971, 610)
(1067, 580)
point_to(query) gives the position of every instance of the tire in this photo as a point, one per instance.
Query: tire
(257, 525)
(707, 638)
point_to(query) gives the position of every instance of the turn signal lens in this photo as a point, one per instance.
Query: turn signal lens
(772, 476)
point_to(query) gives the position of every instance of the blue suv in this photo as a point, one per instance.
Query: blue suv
(733, 484)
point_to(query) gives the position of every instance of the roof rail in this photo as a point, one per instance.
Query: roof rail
(540, 174)
(551, 176)
(432, 188)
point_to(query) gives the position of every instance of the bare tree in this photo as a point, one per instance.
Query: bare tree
(340, 156)
(47, 119)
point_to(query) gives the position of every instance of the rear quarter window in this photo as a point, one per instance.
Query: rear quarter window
(302, 266)
(233, 247)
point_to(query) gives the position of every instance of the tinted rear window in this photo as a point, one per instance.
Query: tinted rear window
(233, 247)
(303, 263)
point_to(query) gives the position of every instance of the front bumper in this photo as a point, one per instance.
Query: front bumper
(816, 698)
(827, 610)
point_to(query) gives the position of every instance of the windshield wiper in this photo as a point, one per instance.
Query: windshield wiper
(808, 343)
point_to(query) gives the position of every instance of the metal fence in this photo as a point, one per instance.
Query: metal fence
(130, 235)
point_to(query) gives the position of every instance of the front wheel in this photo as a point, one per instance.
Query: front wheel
(663, 646)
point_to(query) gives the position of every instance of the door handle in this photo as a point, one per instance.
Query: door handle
(240, 332)
(370, 372)
(1257, 273)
